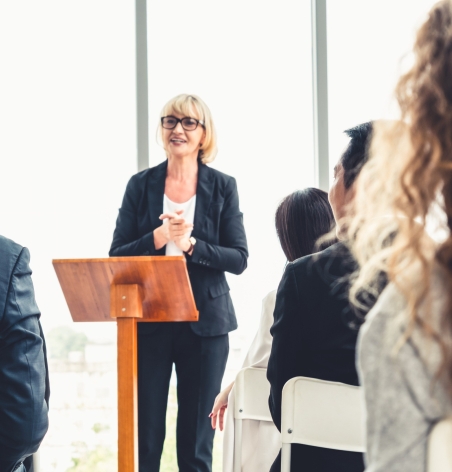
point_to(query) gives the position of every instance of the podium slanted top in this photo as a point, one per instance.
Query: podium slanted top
(86, 285)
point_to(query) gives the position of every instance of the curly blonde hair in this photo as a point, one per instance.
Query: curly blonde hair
(409, 173)
(193, 106)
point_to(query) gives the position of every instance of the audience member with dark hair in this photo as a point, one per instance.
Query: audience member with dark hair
(405, 344)
(301, 219)
(351, 160)
(347, 170)
(24, 385)
(312, 336)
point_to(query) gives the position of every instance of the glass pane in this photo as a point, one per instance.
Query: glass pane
(67, 149)
(251, 63)
(368, 47)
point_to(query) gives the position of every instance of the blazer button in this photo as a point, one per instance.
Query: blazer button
(208, 262)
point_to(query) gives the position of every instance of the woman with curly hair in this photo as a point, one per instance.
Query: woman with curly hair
(405, 345)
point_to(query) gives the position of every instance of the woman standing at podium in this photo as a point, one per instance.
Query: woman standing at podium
(182, 206)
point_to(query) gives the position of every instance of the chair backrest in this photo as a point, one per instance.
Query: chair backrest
(36, 461)
(323, 414)
(440, 447)
(251, 395)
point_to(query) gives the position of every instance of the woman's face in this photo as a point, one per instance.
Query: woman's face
(179, 142)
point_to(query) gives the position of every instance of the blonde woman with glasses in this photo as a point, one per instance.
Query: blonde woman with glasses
(182, 206)
(405, 345)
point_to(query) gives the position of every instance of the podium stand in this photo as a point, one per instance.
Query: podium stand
(127, 290)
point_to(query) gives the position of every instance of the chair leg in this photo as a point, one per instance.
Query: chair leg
(237, 445)
(285, 457)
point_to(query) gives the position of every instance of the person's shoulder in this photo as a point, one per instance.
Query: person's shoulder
(222, 178)
(150, 173)
(338, 251)
(9, 249)
(10, 252)
(335, 260)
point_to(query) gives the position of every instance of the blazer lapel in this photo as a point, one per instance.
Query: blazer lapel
(156, 190)
(204, 191)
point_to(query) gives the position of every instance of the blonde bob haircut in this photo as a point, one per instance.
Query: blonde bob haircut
(194, 107)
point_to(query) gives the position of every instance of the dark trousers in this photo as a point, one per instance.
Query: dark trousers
(200, 363)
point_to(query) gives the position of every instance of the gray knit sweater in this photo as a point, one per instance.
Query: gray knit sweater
(403, 401)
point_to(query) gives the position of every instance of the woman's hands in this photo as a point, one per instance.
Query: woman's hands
(173, 229)
(219, 407)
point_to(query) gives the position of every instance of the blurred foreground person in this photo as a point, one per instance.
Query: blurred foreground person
(301, 219)
(313, 332)
(405, 345)
(24, 387)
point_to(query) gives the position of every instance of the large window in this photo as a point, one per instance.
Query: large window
(251, 63)
(368, 48)
(67, 149)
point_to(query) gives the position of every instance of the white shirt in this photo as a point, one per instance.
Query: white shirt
(188, 214)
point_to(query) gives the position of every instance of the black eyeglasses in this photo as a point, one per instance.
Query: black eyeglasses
(189, 124)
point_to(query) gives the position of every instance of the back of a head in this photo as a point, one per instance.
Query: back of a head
(356, 153)
(301, 219)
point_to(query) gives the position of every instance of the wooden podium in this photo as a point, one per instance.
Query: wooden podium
(128, 290)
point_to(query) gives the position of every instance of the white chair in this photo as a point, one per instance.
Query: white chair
(250, 403)
(323, 414)
(439, 447)
(36, 462)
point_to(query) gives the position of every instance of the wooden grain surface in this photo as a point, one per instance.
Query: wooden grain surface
(164, 281)
(127, 395)
(126, 301)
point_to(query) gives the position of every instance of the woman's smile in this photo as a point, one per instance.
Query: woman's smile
(177, 141)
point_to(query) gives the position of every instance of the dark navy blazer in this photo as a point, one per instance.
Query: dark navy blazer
(312, 338)
(24, 386)
(220, 240)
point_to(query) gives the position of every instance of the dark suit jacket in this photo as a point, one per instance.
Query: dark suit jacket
(312, 338)
(24, 386)
(220, 240)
